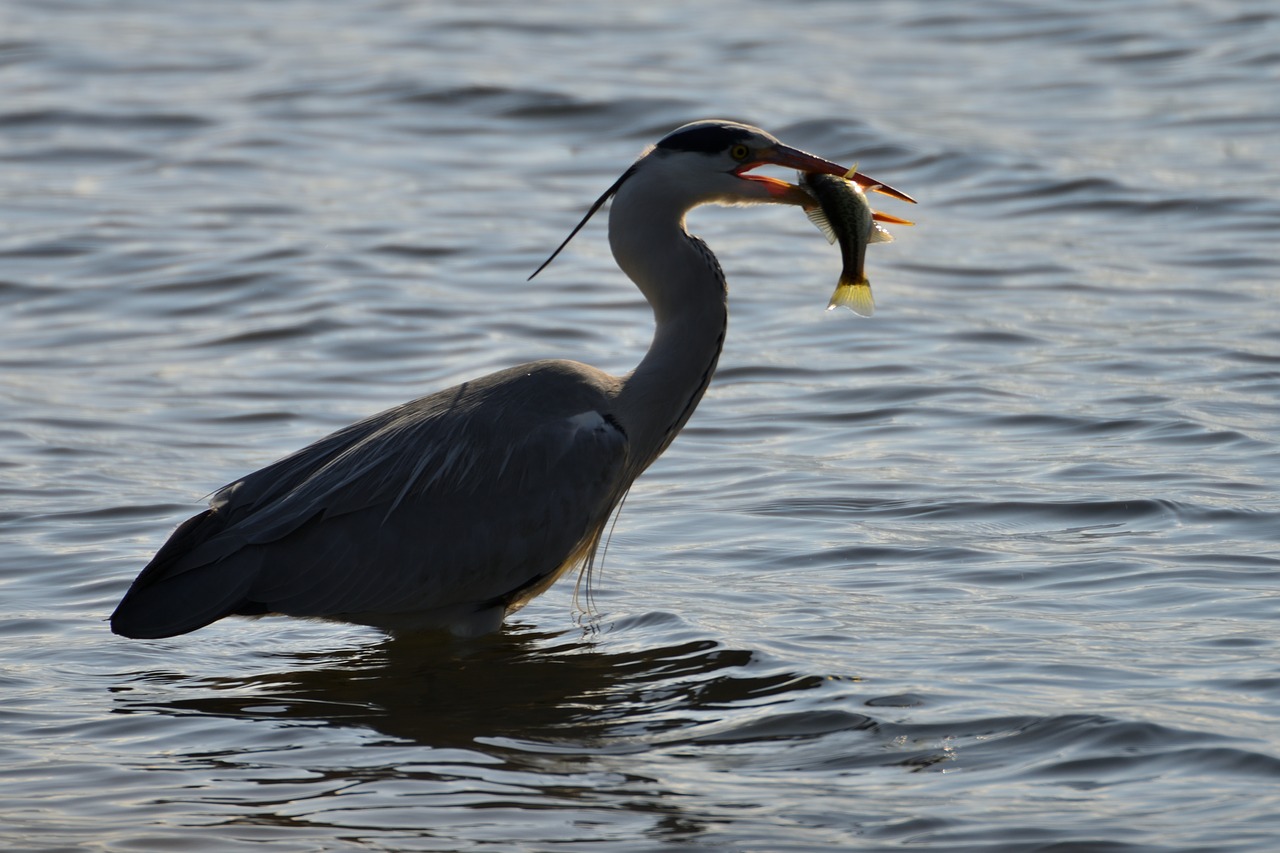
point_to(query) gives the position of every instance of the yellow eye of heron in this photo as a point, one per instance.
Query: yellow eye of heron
(739, 152)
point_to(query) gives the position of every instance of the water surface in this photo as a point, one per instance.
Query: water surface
(995, 570)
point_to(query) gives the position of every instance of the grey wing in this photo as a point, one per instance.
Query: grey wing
(462, 501)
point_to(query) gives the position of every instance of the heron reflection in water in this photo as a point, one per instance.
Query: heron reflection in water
(453, 510)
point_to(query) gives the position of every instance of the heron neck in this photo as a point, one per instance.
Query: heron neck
(686, 289)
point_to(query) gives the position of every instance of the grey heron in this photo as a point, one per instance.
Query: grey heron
(453, 510)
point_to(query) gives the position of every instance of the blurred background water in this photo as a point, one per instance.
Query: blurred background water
(995, 570)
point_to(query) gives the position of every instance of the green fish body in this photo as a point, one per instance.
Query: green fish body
(843, 215)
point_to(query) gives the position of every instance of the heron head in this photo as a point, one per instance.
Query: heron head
(719, 157)
(712, 161)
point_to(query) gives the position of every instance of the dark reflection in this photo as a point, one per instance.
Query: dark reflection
(521, 685)
(556, 712)
(564, 730)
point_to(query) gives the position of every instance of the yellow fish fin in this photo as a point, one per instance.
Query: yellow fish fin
(854, 295)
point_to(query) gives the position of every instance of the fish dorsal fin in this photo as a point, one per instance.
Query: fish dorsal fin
(818, 218)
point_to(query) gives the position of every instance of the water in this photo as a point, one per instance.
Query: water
(996, 570)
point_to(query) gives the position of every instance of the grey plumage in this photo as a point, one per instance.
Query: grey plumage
(431, 514)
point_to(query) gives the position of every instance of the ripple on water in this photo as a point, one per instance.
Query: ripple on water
(1008, 547)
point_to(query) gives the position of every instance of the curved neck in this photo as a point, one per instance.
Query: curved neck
(682, 281)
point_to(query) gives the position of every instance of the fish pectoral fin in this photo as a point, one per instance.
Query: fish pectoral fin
(818, 218)
(879, 235)
(854, 295)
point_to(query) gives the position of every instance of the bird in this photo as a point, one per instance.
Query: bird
(451, 511)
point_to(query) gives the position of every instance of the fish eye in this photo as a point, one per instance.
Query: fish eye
(739, 152)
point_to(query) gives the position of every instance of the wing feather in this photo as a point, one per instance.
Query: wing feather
(444, 503)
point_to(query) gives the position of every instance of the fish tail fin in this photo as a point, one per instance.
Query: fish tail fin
(854, 294)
